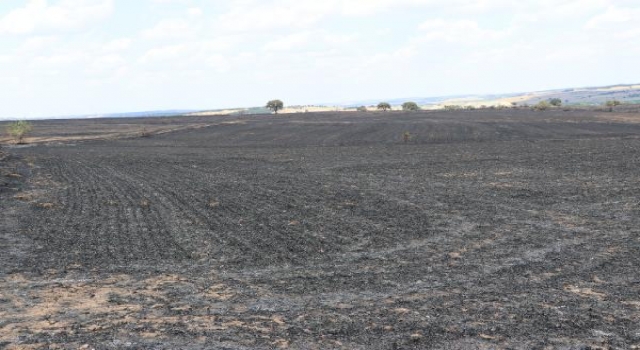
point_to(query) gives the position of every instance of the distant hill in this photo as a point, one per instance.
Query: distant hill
(162, 113)
(586, 96)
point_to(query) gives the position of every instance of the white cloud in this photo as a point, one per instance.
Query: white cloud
(164, 53)
(628, 34)
(348, 48)
(117, 44)
(58, 60)
(6, 59)
(64, 15)
(105, 64)
(37, 43)
(615, 15)
(250, 16)
(288, 42)
(170, 1)
(194, 11)
(185, 57)
(367, 7)
(458, 31)
(340, 39)
(170, 29)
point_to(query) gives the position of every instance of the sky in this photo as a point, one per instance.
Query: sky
(68, 57)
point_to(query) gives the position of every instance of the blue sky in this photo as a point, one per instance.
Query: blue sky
(64, 57)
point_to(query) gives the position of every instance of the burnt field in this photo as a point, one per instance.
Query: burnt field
(505, 229)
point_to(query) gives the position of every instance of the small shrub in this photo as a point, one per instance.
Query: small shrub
(406, 137)
(542, 106)
(362, 109)
(19, 130)
(611, 104)
(452, 107)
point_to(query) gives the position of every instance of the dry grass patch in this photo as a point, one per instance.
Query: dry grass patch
(585, 292)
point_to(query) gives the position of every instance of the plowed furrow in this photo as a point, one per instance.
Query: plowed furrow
(146, 231)
(192, 206)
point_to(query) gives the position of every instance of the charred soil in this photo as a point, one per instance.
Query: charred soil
(506, 229)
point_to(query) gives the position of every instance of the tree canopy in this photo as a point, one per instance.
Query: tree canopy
(555, 102)
(275, 105)
(410, 106)
(384, 106)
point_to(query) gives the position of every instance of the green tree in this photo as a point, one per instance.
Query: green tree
(19, 129)
(556, 102)
(611, 104)
(361, 109)
(384, 106)
(275, 105)
(410, 106)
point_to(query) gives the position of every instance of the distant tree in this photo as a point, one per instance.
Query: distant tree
(410, 106)
(514, 104)
(556, 102)
(542, 105)
(384, 106)
(611, 104)
(19, 129)
(361, 109)
(275, 105)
